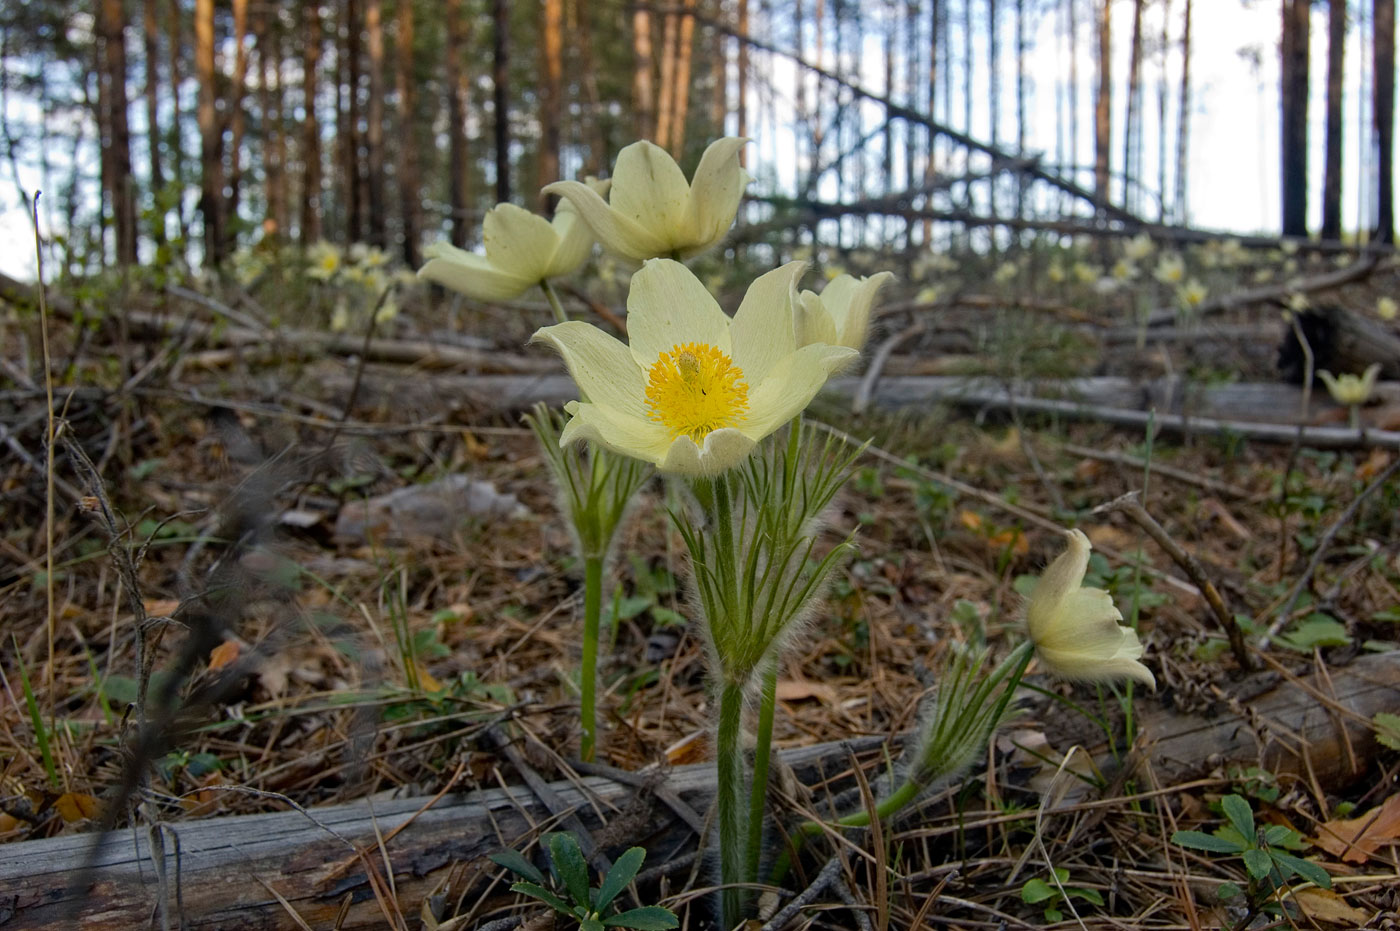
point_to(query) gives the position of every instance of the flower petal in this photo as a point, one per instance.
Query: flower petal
(790, 386)
(667, 306)
(518, 242)
(624, 435)
(812, 321)
(650, 189)
(715, 193)
(615, 232)
(850, 306)
(601, 366)
(471, 274)
(762, 331)
(575, 241)
(1060, 578)
(723, 449)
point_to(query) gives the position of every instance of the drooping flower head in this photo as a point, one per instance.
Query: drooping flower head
(695, 390)
(1075, 629)
(840, 315)
(652, 211)
(522, 249)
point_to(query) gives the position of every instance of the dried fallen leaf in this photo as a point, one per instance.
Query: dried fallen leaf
(1327, 906)
(8, 822)
(426, 682)
(223, 654)
(1355, 839)
(692, 748)
(161, 607)
(804, 690)
(75, 806)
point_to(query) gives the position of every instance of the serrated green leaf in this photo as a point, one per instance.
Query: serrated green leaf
(646, 918)
(1258, 863)
(1304, 868)
(1241, 816)
(568, 862)
(1228, 891)
(619, 876)
(515, 861)
(544, 895)
(1198, 840)
(1387, 727)
(1037, 890)
(1316, 630)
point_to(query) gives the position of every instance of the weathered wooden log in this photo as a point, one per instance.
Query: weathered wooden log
(228, 867)
(1341, 341)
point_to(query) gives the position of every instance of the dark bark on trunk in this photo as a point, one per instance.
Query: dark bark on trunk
(175, 152)
(551, 93)
(410, 195)
(1103, 103)
(151, 34)
(116, 132)
(500, 77)
(1332, 168)
(378, 231)
(311, 127)
(1183, 120)
(643, 100)
(1294, 100)
(211, 131)
(1132, 114)
(238, 117)
(1383, 45)
(458, 34)
(350, 174)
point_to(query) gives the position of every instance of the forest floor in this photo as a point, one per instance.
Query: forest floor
(327, 653)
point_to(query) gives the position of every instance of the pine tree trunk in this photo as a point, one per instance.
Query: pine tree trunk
(742, 105)
(151, 33)
(1293, 72)
(551, 92)
(1132, 115)
(1072, 148)
(680, 106)
(592, 127)
(458, 88)
(116, 135)
(410, 194)
(311, 128)
(1383, 50)
(378, 229)
(994, 72)
(666, 86)
(1332, 167)
(175, 150)
(348, 84)
(211, 200)
(643, 100)
(1183, 122)
(500, 76)
(270, 105)
(237, 117)
(1103, 103)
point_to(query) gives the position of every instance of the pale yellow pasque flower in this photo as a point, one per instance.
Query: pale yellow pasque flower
(1170, 269)
(1386, 308)
(840, 315)
(325, 260)
(1351, 389)
(652, 211)
(1075, 629)
(1139, 247)
(695, 390)
(1192, 294)
(522, 249)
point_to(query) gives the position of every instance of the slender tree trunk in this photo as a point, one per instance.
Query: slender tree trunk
(551, 92)
(592, 128)
(116, 136)
(311, 128)
(1183, 123)
(237, 115)
(211, 200)
(378, 231)
(1332, 167)
(175, 150)
(994, 70)
(410, 193)
(670, 46)
(1132, 115)
(151, 32)
(1383, 15)
(643, 101)
(1294, 99)
(969, 63)
(351, 135)
(1103, 102)
(680, 106)
(1072, 149)
(936, 39)
(742, 107)
(1162, 47)
(500, 75)
(458, 89)
(273, 145)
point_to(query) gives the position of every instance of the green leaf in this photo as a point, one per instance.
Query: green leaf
(1280, 835)
(1197, 840)
(1258, 863)
(1304, 868)
(1088, 895)
(619, 876)
(568, 862)
(1054, 914)
(646, 918)
(544, 895)
(1240, 815)
(1228, 891)
(1037, 890)
(1387, 729)
(514, 861)
(590, 924)
(1316, 630)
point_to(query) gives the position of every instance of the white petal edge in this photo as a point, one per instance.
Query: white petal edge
(722, 450)
(624, 435)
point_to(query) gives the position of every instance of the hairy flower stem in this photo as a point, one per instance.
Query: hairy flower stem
(559, 315)
(588, 667)
(763, 748)
(729, 757)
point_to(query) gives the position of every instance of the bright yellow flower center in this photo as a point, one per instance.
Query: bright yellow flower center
(695, 389)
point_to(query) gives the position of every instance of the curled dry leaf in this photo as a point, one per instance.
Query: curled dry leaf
(1355, 839)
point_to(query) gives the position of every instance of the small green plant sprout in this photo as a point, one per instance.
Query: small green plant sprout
(1054, 895)
(1387, 728)
(587, 905)
(1269, 868)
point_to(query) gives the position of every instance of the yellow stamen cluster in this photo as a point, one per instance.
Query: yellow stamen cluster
(694, 390)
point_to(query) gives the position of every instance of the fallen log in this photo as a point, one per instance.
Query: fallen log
(228, 868)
